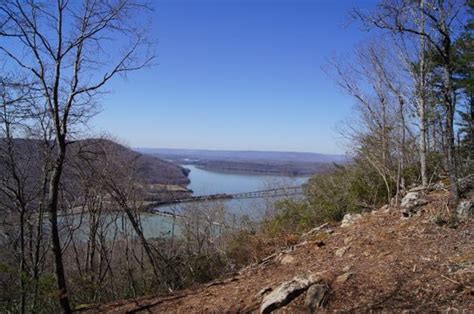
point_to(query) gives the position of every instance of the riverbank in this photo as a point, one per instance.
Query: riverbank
(289, 169)
(166, 192)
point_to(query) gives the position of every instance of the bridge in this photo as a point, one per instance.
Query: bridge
(278, 192)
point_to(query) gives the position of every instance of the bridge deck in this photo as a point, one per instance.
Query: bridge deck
(280, 192)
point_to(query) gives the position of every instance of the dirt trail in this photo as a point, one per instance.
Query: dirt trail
(381, 262)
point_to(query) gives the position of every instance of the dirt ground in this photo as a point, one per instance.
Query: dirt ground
(389, 263)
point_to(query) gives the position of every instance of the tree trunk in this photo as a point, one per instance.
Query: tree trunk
(471, 125)
(52, 206)
(450, 105)
(450, 148)
(39, 238)
(22, 262)
(423, 136)
(422, 102)
(402, 165)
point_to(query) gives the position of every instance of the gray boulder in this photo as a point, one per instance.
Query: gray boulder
(412, 202)
(465, 209)
(350, 219)
(316, 297)
(286, 292)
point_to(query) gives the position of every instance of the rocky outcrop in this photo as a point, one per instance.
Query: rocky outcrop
(412, 202)
(287, 291)
(349, 219)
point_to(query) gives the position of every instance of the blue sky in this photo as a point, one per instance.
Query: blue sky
(243, 75)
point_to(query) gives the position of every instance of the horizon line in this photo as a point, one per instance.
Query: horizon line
(239, 150)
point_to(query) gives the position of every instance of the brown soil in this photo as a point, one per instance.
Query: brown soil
(421, 264)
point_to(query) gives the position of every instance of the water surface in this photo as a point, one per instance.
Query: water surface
(204, 182)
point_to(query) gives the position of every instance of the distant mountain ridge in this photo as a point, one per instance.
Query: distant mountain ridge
(245, 155)
(250, 162)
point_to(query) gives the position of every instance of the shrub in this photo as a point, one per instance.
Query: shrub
(328, 197)
(292, 217)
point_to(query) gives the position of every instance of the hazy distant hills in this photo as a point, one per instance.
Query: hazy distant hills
(288, 163)
(245, 155)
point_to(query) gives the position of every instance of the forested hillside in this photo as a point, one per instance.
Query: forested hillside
(150, 169)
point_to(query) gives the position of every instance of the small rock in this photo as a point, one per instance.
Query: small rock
(348, 240)
(440, 186)
(344, 277)
(347, 268)
(287, 260)
(316, 297)
(349, 219)
(340, 252)
(465, 209)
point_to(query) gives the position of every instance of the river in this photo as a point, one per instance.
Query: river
(204, 182)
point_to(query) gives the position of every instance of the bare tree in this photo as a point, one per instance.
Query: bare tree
(21, 180)
(13, 111)
(372, 134)
(435, 27)
(71, 50)
(392, 78)
(118, 176)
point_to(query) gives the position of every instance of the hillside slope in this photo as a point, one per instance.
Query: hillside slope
(379, 262)
(151, 169)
